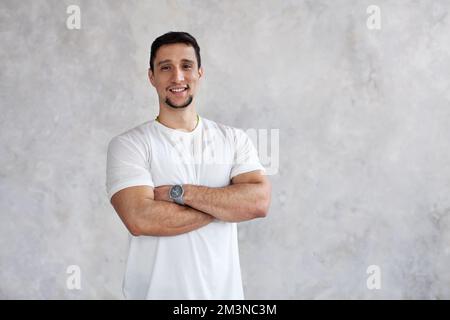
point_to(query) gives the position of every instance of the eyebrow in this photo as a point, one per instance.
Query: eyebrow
(168, 60)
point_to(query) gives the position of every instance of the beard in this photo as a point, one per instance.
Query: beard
(184, 105)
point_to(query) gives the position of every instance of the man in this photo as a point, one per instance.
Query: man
(180, 183)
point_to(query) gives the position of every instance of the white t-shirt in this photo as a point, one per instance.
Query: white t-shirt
(201, 264)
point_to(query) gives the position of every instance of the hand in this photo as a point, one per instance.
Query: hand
(161, 193)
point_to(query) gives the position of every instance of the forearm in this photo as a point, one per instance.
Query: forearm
(161, 218)
(233, 203)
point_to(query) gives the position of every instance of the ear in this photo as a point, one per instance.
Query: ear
(200, 72)
(151, 77)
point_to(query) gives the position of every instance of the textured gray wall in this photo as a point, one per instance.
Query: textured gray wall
(364, 119)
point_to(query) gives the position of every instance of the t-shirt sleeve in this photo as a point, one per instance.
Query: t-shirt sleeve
(246, 157)
(127, 166)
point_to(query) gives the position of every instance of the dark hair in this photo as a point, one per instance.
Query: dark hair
(174, 37)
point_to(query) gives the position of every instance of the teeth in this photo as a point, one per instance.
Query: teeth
(177, 89)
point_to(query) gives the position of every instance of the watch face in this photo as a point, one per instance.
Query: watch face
(176, 191)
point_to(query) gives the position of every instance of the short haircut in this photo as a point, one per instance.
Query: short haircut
(174, 37)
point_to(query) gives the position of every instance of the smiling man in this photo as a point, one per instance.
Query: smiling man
(180, 183)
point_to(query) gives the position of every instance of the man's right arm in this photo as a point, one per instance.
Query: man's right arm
(144, 216)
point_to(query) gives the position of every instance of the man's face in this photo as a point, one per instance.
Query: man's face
(175, 74)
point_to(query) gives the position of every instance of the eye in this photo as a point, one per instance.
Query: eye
(187, 66)
(165, 68)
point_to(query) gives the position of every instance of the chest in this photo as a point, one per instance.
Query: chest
(202, 160)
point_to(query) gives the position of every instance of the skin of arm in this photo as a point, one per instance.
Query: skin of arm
(247, 197)
(143, 215)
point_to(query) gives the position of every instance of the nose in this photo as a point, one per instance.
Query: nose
(177, 75)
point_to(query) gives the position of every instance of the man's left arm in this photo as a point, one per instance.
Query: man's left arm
(247, 197)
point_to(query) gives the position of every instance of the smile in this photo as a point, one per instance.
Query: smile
(178, 89)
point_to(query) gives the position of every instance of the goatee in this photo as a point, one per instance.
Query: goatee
(184, 105)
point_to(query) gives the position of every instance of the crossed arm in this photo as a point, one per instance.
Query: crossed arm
(149, 211)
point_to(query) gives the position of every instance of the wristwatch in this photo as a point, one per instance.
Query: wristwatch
(176, 193)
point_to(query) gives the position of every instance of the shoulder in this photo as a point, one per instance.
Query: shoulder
(224, 130)
(137, 136)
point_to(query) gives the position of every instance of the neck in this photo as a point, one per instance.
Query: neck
(183, 120)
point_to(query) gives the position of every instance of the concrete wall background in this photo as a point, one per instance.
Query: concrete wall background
(364, 119)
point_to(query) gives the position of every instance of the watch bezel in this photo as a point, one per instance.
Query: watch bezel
(172, 189)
